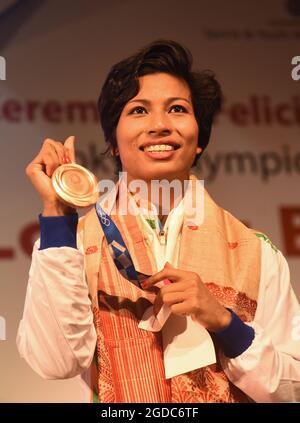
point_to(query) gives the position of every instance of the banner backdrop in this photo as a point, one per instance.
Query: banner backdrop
(56, 55)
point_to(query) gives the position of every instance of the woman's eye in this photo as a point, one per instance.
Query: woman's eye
(178, 108)
(137, 110)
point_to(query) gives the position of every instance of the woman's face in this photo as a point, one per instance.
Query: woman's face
(157, 132)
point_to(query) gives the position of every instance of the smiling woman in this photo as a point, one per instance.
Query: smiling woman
(158, 140)
(213, 320)
(156, 93)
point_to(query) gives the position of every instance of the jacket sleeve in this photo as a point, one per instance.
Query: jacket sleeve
(274, 355)
(56, 335)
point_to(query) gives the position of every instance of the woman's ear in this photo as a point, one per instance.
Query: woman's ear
(198, 150)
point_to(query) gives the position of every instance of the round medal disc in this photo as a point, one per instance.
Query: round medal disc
(75, 185)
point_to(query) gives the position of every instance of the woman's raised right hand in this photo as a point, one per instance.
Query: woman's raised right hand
(39, 171)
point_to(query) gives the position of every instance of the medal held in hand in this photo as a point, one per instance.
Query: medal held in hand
(75, 185)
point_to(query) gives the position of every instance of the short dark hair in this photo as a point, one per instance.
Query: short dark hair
(165, 56)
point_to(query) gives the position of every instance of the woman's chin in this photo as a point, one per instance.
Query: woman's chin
(159, 174)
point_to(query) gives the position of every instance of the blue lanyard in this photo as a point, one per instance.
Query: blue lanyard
(117, 248)
(161, 227)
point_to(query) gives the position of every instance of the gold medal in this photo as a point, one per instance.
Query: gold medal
(75, 185)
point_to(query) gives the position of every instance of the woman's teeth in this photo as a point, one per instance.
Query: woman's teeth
(159, 147)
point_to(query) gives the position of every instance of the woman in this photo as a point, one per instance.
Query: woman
(81, 307)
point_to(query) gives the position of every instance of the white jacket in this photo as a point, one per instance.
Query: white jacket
(57, 337)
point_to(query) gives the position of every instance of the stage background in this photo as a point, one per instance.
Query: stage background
(57, 55)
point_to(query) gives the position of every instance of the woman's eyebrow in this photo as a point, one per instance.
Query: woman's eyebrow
(167, 101)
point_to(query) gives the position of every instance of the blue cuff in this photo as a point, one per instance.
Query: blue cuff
(58, 231)
(236, 338)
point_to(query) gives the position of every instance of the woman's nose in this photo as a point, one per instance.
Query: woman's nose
(159, 123)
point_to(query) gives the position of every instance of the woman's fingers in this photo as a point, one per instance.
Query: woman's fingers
(70, 149)
(168, 298)
(172, 294)
(51, 155)
(51, 161)
(54, 153)
(56, 146)
(173, 275)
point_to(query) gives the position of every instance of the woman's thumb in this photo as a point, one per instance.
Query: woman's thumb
(69, 146)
